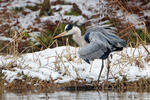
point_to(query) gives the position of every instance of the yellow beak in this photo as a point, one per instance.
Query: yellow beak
(60, 35)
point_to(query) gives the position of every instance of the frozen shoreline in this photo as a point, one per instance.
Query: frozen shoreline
(62, 64)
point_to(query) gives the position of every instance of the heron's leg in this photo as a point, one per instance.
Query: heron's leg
(108, 67)
(91, 66)
(101, 70)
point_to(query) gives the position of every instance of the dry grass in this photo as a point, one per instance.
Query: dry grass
(128, 32)
(140, 85)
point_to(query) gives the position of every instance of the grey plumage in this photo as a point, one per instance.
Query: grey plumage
(93, 50)
(98, 41)
(101, 42)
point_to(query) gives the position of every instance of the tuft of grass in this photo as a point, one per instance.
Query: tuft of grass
(138, 36)
(33, 8)
(1, 75)
(1, 80)
(46, 39)
(18, 9)
(46, 8)
(26, 34)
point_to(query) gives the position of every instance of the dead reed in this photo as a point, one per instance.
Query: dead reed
(134, 37)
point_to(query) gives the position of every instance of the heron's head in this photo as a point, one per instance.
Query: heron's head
(69, 30)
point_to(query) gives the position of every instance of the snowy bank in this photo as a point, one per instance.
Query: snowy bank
(62, 64)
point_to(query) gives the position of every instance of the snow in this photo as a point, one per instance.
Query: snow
(3, 38)
(23, 3)
(62, 64)
(63, 7)
(60, 16)
(73, 19)
(28, 20)
(88, 9)
(147, 13)
(93, 7)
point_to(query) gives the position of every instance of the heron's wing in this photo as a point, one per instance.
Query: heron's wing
(115, 40)
(94, 50)
(102, 28)
(106, 33)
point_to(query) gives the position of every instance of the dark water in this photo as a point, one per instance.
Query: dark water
(81, 95)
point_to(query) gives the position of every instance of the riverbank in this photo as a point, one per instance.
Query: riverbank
(141, 85)
(61, 68)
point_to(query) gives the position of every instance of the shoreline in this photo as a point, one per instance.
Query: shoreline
(141, 85)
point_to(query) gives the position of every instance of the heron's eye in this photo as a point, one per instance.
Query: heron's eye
(68, 27)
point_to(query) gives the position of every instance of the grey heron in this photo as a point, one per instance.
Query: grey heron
(97, 43)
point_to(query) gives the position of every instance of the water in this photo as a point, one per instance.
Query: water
(80, 95)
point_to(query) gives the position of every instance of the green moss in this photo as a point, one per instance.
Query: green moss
(110, 23)
(73, 12)
(18, 9)
(25, 34)
(33, 8)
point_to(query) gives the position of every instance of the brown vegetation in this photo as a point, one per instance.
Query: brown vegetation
(140, 85)
(22, 45)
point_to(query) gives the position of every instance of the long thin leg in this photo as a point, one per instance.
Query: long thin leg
(91, 66)
(101, 70)
(108, 68)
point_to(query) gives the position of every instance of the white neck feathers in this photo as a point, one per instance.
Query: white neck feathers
(77, 36)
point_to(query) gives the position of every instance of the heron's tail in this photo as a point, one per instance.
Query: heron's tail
(123, 43)
(120, 45)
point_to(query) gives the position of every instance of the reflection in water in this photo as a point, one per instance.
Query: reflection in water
(81, 95)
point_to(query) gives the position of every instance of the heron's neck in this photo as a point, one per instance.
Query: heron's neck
(77, 37)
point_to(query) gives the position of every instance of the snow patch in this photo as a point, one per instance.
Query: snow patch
(63, 64)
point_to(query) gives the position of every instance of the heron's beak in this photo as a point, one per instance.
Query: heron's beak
(60, 35)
